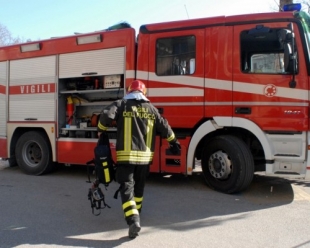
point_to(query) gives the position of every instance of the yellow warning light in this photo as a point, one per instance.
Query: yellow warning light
(52, 129)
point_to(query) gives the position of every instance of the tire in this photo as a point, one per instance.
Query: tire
(227, 164)
(33, 153)
(12, 161)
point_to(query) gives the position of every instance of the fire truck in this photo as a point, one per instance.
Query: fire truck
(235, 90)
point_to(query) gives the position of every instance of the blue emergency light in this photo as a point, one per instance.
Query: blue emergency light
(292, 7)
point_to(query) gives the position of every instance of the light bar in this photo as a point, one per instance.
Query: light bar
(30, 47)
(89, 39)
(292, 7)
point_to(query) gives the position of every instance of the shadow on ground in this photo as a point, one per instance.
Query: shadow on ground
(58, 202)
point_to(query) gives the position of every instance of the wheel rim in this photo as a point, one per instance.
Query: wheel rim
(32, 153)
(220, 165)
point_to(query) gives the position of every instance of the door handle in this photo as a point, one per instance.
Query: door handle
(242, 110)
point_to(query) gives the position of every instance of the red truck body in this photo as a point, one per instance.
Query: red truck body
(235, 90)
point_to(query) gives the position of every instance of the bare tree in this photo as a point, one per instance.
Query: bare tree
(306, 5)
(6, 37)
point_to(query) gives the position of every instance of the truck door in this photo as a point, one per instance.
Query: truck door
(176, 82)
(176, 85)
(266, 89)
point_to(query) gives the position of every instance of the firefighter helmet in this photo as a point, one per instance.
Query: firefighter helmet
(137, 85)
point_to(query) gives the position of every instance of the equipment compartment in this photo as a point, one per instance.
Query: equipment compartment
(81, 101)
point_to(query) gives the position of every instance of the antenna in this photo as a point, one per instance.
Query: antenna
(186, 11)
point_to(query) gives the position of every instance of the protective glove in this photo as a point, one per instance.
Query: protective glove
(175, 147)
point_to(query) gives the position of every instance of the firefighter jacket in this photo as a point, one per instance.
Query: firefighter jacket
(137, 123)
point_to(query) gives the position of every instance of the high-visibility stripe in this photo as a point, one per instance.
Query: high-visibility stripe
(135, 156)
(131, 212)
(128, 204)
(106, 171)
(102, 127)
(135, 153)
(107, 175)
(134, 159)
(171, 137)
(127, 134)
(149, 134)
(138, 199)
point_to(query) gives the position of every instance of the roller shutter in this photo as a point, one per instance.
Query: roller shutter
(3, 99)
(32, 89)
(102, 62)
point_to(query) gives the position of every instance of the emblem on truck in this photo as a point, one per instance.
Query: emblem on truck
(270, 90)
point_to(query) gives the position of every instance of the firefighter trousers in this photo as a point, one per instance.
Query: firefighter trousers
(132, 181)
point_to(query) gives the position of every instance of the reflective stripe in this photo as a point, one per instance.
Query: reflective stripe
(135, 153)
(127, 134)
(149, 134)
(131, 212)
(102, 127)
(138, 199)
(134, 159)
(172, 137)
(107, 175)
(128, 204)
(135, 156)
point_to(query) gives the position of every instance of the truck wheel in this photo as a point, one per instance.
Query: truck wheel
(12, 161)
(227, 164)
(33, 153)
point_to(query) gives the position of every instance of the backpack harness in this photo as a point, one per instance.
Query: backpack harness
(104, 168)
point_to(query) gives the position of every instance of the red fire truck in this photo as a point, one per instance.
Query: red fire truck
(234, 89)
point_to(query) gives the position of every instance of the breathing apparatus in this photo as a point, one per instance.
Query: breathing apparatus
(96, 197)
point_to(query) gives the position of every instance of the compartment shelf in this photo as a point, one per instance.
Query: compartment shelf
(89, 96)
(86, 129)
(88, 132)
(93, 103)
(89, 91)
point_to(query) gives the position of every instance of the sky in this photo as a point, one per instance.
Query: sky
(43, 19)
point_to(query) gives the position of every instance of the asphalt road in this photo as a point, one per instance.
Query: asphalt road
(53, 211)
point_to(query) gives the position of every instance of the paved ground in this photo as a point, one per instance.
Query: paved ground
(53, 211)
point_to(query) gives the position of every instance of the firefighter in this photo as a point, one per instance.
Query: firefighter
(137, 122)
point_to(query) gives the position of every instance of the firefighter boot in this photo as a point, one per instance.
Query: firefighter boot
(134, 228)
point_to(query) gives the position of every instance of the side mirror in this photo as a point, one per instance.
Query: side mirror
(287, 40)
